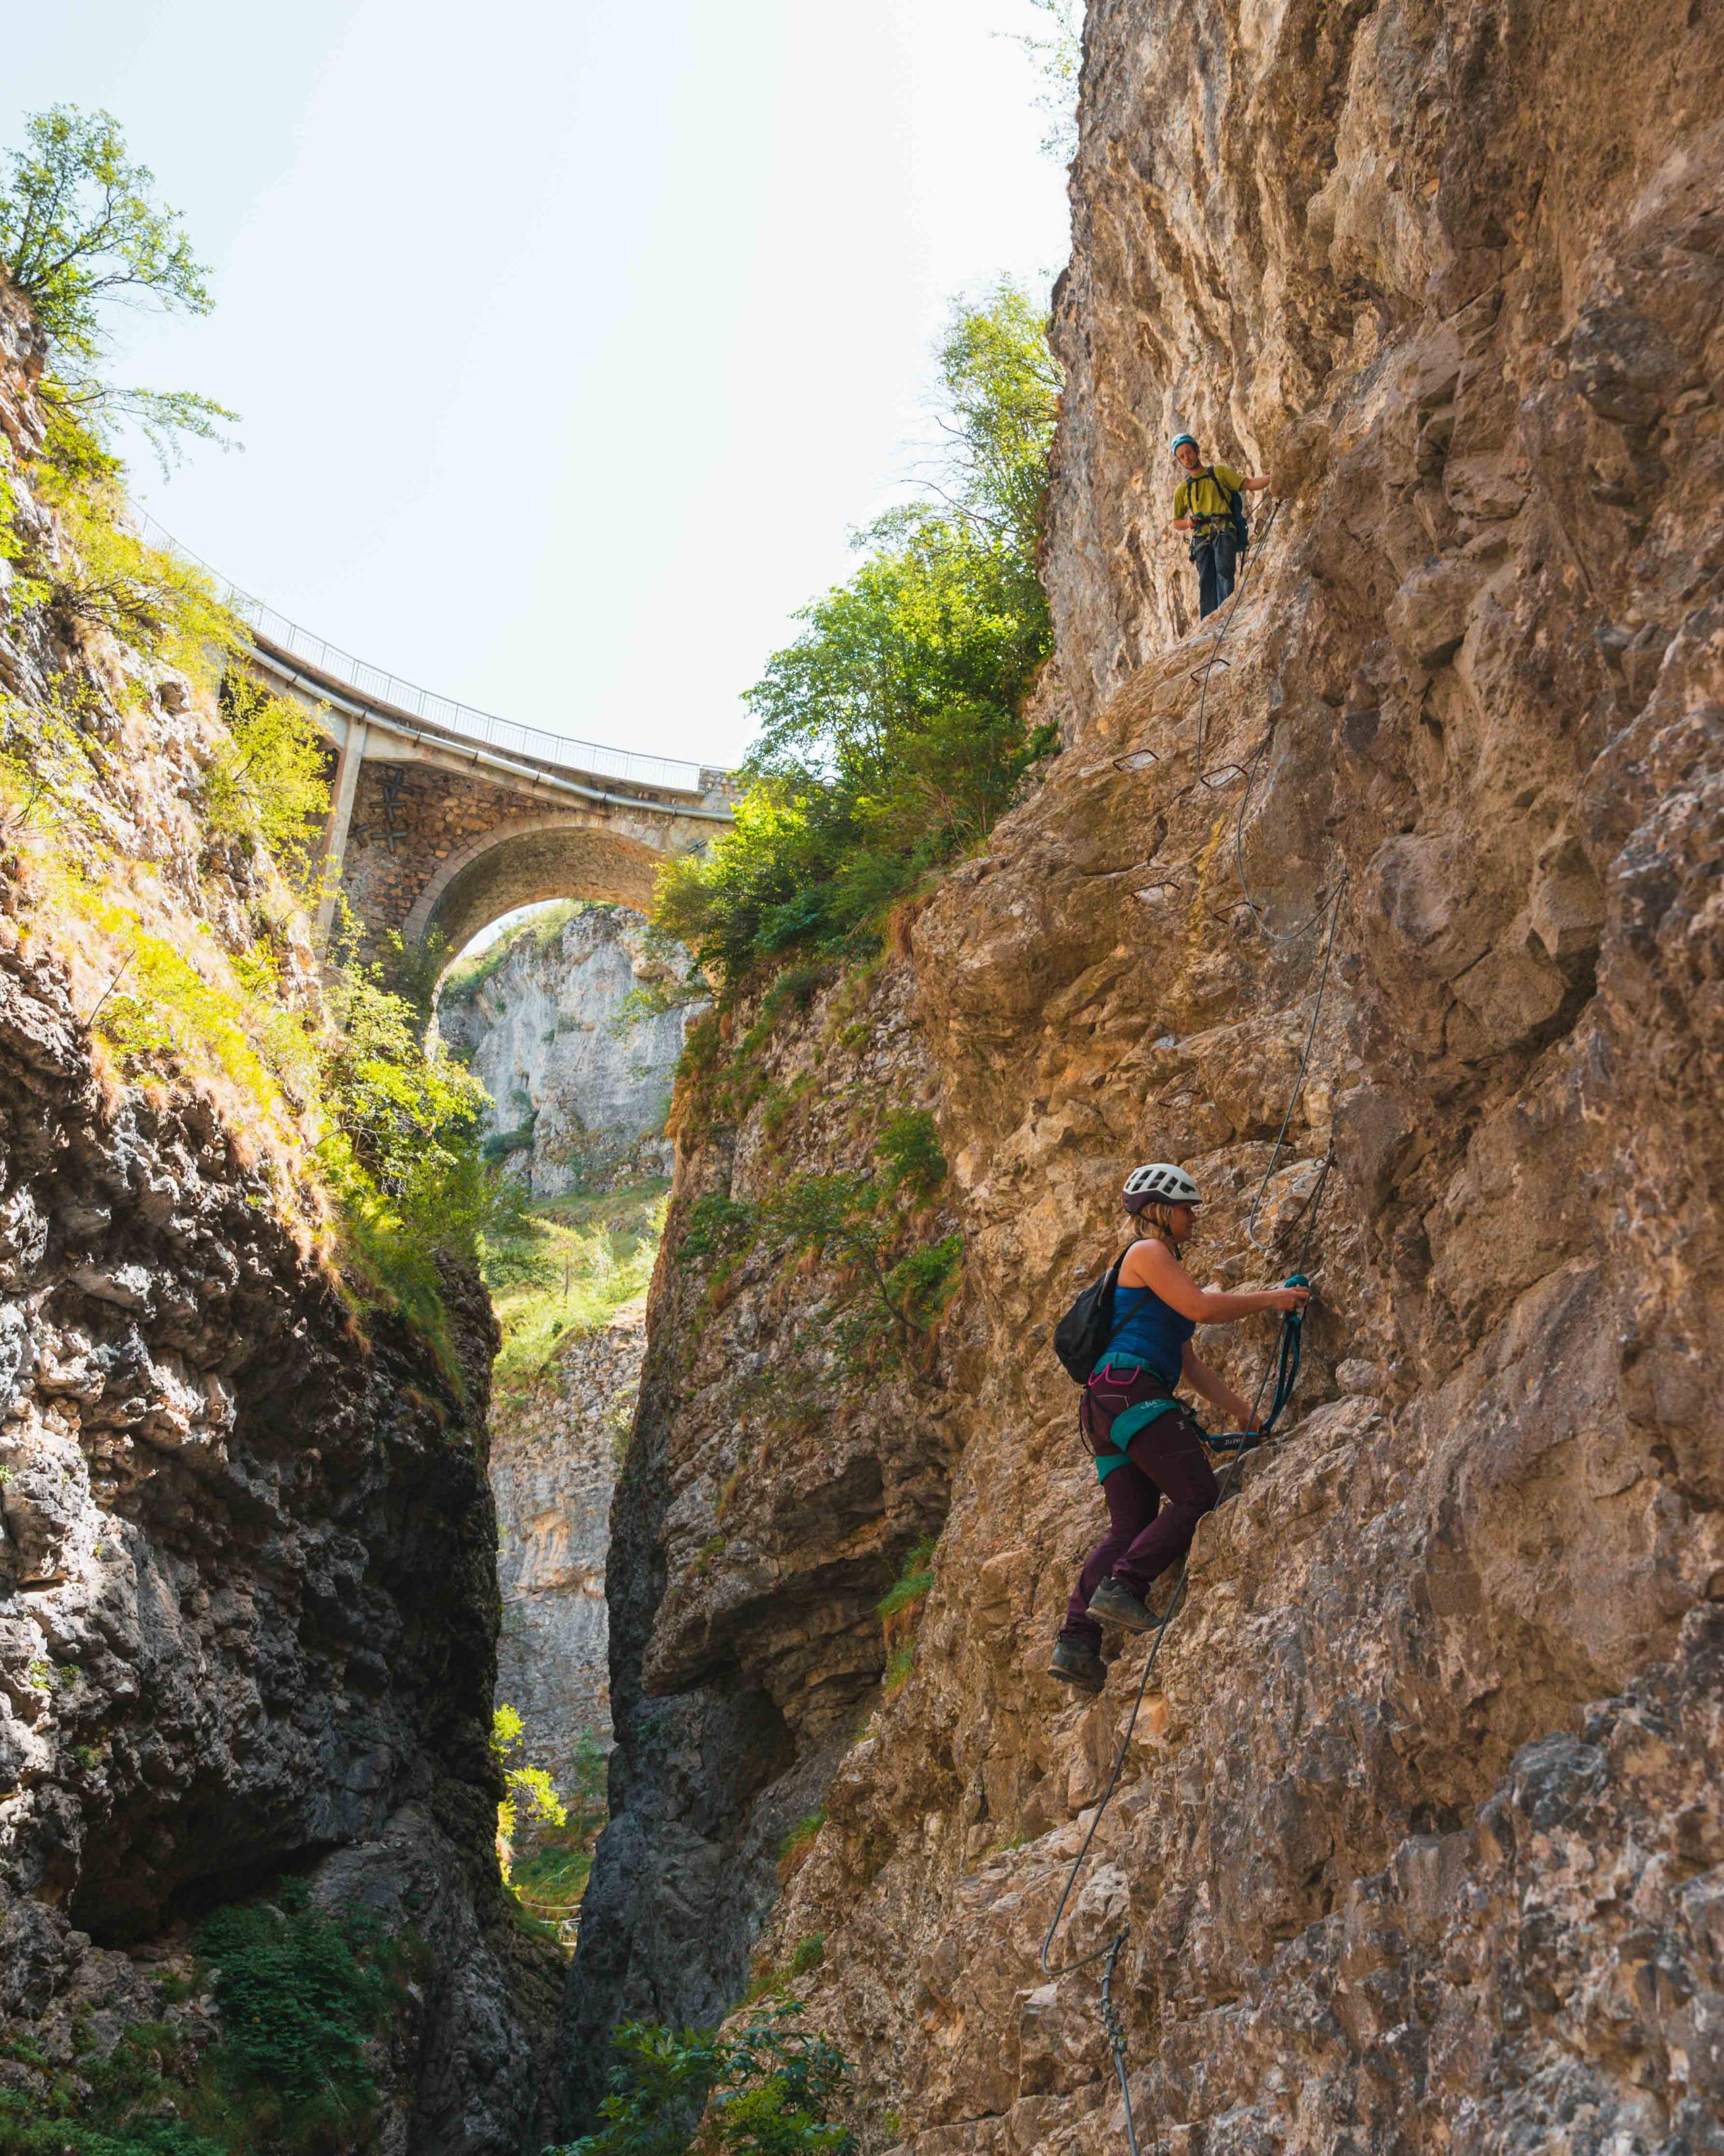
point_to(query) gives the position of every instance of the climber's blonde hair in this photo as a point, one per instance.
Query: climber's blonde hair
(1155, 1223)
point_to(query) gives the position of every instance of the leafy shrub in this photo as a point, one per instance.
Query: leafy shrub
(111, 2115)
(299, 1993)
(909, 1144)
(550, 1879)
(914, 1580)
(502, 1145)
(892, 731)
(525, 1787)
(269, 776)
(716, 1224)
(559, 1269)
(770, 2091)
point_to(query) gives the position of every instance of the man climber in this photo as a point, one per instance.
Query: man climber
(1203, 505)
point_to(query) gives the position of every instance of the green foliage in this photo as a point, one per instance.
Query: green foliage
(891, 731)
(848, 1219)
(108, 578)
(79, 231)
(899, 1665)
(559, 1269)
(404, 1161)
(268, 779)
(1058, 58)
(808, 1955)
(716, 1224)
(503, 1145)
(771, 2091)
(117, 2105)
(550, 1878)
(889, 1297)
(909, 1143)
(527, 1788)
(467, 976)
(913, 1582)
(299, 1993)
(800, 1837)
(923, 1281)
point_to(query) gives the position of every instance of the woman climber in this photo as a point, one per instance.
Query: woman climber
(1147, 1448)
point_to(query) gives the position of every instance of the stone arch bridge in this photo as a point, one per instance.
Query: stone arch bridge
(443, 817)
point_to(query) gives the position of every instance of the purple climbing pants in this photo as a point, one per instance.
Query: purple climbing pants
(1165, 1460)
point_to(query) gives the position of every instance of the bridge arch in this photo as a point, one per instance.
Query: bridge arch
(443, 817)
(529, 861)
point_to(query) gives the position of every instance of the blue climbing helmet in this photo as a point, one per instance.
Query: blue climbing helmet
(1178, 442)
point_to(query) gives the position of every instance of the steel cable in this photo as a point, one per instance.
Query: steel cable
(1282, 1364)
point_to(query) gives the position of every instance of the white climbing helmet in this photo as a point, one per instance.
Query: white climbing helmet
(1179, 440)
(1162, 1181)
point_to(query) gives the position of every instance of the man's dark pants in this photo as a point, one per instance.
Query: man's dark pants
(1165, 1459)
(1217, 555)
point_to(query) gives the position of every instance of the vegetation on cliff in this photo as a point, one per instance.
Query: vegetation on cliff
(893, 731)
(298, 1993)
(773, 2089)
(190, 912)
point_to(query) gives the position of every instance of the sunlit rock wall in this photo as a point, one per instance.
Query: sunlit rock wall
(583, 1078)
(1419, 1836)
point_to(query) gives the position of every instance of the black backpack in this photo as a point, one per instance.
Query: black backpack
(1080, 1338)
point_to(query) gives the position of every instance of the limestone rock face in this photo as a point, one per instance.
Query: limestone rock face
(554, 1455)
(1418, 1835)
(248, 1601)
(770, 1490)
(548, 1036)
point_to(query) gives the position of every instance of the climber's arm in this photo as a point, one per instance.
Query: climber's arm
(1205, 1383)
(1151, 1264)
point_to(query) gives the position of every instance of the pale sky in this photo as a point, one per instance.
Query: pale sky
(570, 337)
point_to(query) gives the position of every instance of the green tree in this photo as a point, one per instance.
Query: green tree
(80, 231)
(892, 731)
(1058, 59)
(268, 777)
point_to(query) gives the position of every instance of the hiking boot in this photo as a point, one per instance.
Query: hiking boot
(1114, 1605)
(1078, 1665)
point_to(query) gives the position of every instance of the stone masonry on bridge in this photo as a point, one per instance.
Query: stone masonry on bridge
(433, 832)
(428, 849)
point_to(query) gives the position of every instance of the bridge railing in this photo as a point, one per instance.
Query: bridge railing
(375, 684)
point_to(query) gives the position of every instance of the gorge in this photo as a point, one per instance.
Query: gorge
(1397, 917)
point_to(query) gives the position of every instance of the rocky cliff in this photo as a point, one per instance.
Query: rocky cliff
(1418, 1836)
(554, 1454)
(580, 1082)
(248, 1603)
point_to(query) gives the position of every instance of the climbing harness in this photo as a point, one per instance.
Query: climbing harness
(1284, 1364)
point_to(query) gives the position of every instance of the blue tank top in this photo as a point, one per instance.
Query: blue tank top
(1149, 1330)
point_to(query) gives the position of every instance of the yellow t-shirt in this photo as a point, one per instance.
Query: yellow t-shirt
(1199, 496)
